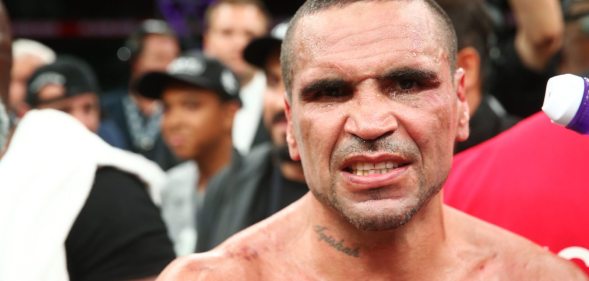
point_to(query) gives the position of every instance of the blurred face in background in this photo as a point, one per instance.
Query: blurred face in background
(157, 52)
(84, 107)
(274, 117)
(230, 29)
(22, 69)
(575, 57)
(195, 120)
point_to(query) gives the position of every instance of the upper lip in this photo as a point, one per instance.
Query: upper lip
(349, 161)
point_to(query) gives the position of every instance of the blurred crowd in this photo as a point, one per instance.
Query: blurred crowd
(197, 147)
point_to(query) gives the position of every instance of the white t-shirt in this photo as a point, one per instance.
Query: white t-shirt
(248, 117)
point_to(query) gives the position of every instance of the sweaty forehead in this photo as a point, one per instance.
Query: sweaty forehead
(369, 33)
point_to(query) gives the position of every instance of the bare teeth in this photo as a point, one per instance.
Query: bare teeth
(365, 169)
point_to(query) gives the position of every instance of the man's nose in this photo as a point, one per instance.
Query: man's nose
(371, 116)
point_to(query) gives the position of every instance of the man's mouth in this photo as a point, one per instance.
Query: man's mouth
(373, 168)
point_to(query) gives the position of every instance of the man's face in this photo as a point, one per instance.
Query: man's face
(84, 107)
(195, 120)
(22, 69)
(230, 29)
(274, 117)
(158, 51)
(374, 111)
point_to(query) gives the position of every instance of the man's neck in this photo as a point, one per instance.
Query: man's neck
(212, 161)
(333, 243)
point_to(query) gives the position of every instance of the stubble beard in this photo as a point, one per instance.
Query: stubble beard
(379, 220)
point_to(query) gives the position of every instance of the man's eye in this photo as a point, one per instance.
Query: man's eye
(191, 105)
(407, 84)
(332, 93)
(401, 86)
(327, 91)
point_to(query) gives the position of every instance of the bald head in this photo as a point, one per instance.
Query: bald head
(291, 44)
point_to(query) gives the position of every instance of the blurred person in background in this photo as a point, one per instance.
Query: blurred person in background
(200, 98)
(5, 67)
(574, 56)
(268, 180)
(524, 54)
(229, 26)
(474, 29)
(532, 179)
(70, 85)
(27, 56)
(72, 207)
(150, 48)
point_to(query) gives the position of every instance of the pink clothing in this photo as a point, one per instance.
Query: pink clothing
(532, 180)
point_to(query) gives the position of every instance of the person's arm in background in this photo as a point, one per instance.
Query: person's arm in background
(539, 34)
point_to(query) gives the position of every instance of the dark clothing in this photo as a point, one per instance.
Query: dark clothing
(486, 123)
(274, 193)
(262, 135)
(113, 108)
(242, 195)
(519, 89)
(119, 234)
(111, 133)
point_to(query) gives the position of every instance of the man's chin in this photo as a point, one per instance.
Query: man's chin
(375, 215)
(373, 218)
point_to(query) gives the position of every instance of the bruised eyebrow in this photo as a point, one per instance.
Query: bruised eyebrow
(321, 85)
(428, 77)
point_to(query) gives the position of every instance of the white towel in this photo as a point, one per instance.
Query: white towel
(45, 178)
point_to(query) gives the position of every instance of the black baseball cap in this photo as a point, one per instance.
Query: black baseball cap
(193, 69)
(75, 75)
(257, 51)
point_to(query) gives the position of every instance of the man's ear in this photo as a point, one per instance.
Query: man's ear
(290, 139)
(469, 60)
(463, 117)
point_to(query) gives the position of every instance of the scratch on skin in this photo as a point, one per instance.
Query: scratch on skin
(246, 253)
(338, 245)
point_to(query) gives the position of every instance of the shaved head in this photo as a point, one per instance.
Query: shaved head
(311, 7)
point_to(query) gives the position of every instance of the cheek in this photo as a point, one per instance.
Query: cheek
(201, 122)
(165, 125)
(433, 133)
(317, 135)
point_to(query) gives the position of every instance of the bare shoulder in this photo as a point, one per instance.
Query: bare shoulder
(213, 265)
(507, 254)
(252, 254)
(543, 265)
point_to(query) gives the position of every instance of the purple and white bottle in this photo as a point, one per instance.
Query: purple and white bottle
(567, 102)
